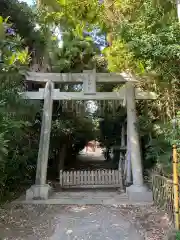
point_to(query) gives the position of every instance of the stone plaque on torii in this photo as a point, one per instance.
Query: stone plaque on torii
(127, 93)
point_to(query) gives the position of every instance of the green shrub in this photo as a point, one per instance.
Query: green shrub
(178, 236)
(18, 138)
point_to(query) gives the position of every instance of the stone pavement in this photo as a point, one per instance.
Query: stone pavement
(96, 223)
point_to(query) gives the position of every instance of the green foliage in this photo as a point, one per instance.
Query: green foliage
(74, 131)
(178, 236)
(158, 139)
(76, 54)
(24, 21)
(76, 127)
(146, 43)
(157, 148)
(18, 146)
(74, 14)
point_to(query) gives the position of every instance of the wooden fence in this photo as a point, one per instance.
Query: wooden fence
(95, 178)
(166, 190)
(163, 195)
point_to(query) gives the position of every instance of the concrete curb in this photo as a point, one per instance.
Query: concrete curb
(85, 201)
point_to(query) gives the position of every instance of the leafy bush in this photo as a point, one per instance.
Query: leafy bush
(158, 138)
(178, 236)
(18, 139)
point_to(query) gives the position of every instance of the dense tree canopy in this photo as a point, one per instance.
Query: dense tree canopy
(24, 20)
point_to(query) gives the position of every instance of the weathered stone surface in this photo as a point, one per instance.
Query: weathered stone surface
(43, 153)
(133, 135)
(139, 194)
(37, 192)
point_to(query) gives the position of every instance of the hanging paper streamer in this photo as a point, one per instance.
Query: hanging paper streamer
(100, 107)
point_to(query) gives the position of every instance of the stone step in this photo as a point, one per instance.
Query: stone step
(78, 197)
(116, 200)
(88, 197)
(84, 198)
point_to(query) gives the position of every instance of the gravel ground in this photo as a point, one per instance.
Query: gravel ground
(57, 222)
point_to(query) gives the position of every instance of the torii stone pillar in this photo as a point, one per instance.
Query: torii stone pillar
(137, 191)
(128, 162)
(41, 190)
(121, 155)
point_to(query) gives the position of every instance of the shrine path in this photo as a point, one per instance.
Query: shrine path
(96, 223)
(67, 223)
(73, 222)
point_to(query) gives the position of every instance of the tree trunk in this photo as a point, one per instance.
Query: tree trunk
(62, 156)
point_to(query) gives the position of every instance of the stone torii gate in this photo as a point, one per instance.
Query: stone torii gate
(41, 190)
